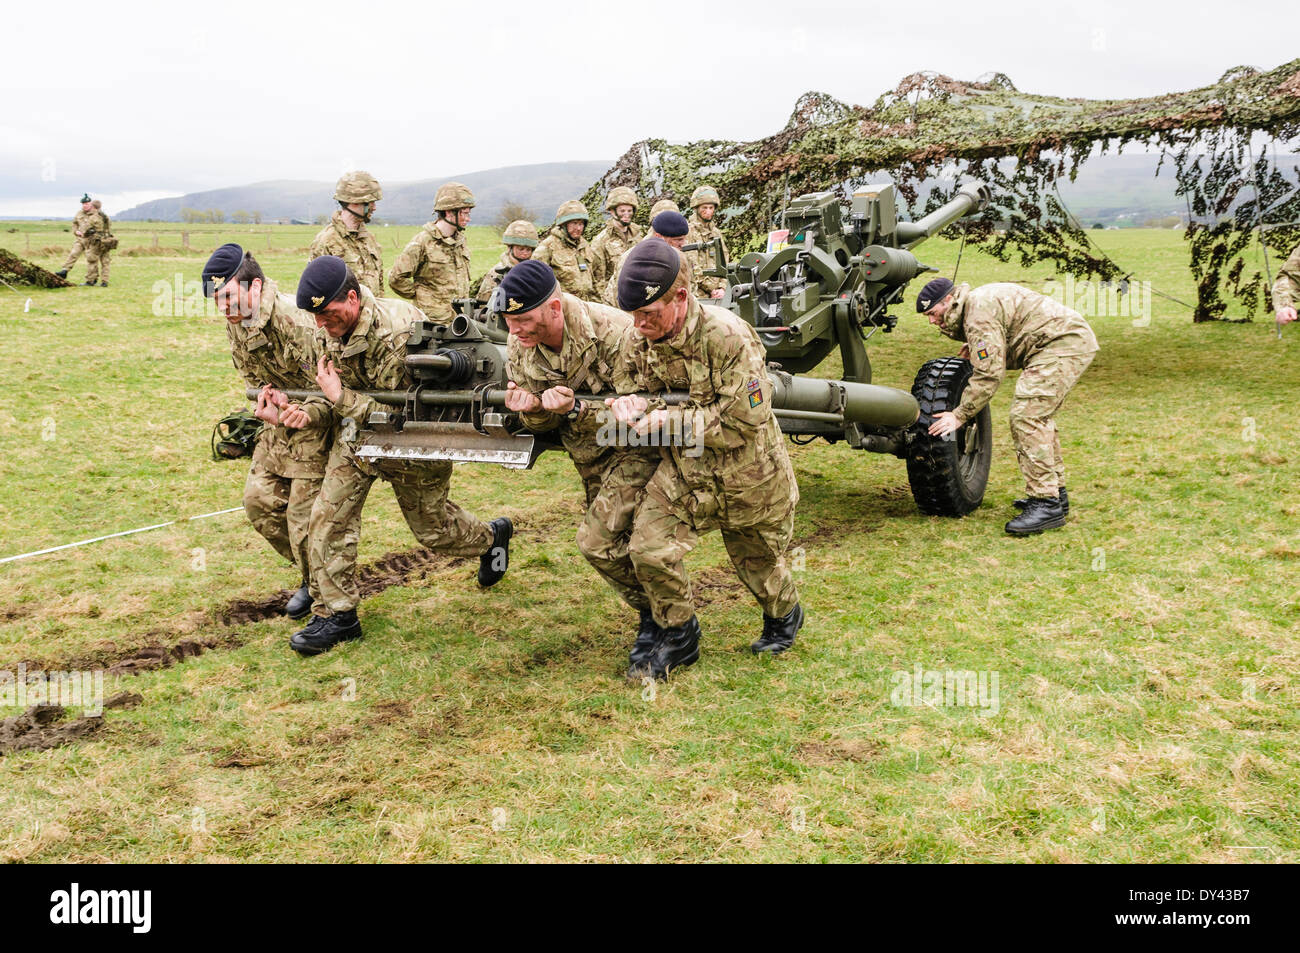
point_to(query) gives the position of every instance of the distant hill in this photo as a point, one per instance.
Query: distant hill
(538, 187)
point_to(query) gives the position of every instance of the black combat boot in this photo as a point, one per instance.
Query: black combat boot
(676, 648)
(493, 564)
(1039, 514)
(62, 273)
(1064, 497)
(299, 604)
(322, 634)
(103, 284)
(778, 634)
(90, 283)
(647, 639)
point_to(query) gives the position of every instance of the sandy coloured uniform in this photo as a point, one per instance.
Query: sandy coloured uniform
(1286, 286)
(432, 270)
(609, 246)
(488, 283)
(702, 285)
(729, 470)
(612, 477)
(570, 260)
(359, 250)
(85, 226)
(374, 358)
(1008, 327)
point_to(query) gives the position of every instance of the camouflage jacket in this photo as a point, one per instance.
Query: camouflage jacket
(587, 362)
(608, 247)
(1286, 287)
(728, 453)
(359, 250)
(86, 223)
(1006, 326)
(372, 358)
(488, 283)
(433, 270)
(276, 347)
(701, 231)
(609, 293)
(570, 260)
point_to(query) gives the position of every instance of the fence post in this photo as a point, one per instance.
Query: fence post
(185, 239)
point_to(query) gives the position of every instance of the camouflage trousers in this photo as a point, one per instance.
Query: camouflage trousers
(1040, 392)
(664, 532)
(78, 246)
(279, 508)
(335, 529)
(97, 263)
(613, 490)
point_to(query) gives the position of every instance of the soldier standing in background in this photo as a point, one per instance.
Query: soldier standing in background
(1286, 288)
(1006, 327)
(567, 252)
(433, 269)
(84, 226)
(619, 235)
(704, 205)
(723, 463)
(104, 243)
(346, 237)
(520, 238)
(270, 344)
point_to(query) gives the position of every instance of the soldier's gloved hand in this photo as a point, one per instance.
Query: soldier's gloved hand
(627, 409)
(328, 380)
(266, 408)
(520, 400)
(558, 399)
(1285, 315)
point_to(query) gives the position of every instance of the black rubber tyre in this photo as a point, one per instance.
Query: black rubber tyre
(948, 477)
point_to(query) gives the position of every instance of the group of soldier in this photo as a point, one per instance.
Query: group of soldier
(93, 236)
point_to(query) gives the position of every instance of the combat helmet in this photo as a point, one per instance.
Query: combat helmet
(357, 188)
(571, 211)
(705, 195)
(663, 205)
(453, 195)
(621, 195)
(520, 232)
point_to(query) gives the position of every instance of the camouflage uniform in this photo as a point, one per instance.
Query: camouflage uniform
(701, 231)
(1007, 327)
(612, 477)
(1286, 287)
(609, 246)
(88, 224)
(276, 348)
(610, 295)
(433, 270)
(740, 481)
(488, 283)
(374, 358)
(570, 260)
(359, 250)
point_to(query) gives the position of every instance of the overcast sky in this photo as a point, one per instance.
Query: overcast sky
(133, 102)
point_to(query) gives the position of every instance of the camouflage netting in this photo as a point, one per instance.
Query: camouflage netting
(931, 133)
(19, 271)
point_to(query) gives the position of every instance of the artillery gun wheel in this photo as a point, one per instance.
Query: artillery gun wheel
(948, 477)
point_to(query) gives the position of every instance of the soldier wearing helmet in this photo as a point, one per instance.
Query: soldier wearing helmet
(520, 238)
(433, 269)
(668, 225)
(567, 252)
(617, 237)
(346, 236)
(704, 206)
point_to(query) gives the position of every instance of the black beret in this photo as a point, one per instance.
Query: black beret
(670, 224)
(649, 270)
(525, 286)
(223, 264)
(933, 292)
(320, 282)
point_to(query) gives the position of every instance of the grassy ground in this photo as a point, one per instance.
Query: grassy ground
(1145, 655)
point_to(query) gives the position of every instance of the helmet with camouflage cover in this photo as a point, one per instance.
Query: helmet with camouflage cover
(453, 195)
(357, 187)
(621, 195)
(663, 205)
(571, 211)
(705, 195)
(520, 232)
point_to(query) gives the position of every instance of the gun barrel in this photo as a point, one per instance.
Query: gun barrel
(970, 198)
(855, 403)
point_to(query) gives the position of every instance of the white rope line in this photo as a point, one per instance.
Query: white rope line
(125, 532)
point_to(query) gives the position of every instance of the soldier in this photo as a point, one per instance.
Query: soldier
(1007, 327)
(270, 343)
(1286, 288)
(104, 243)
(520, 238)
(84, 226)
(361, 346)
(433, 269)
(560, 345)
(567, 252)
(346, 237)
(668, 226)
(704, 205)
(619, 235)
(723, 463)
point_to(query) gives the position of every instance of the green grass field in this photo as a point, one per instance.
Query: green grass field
(1145, 655)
